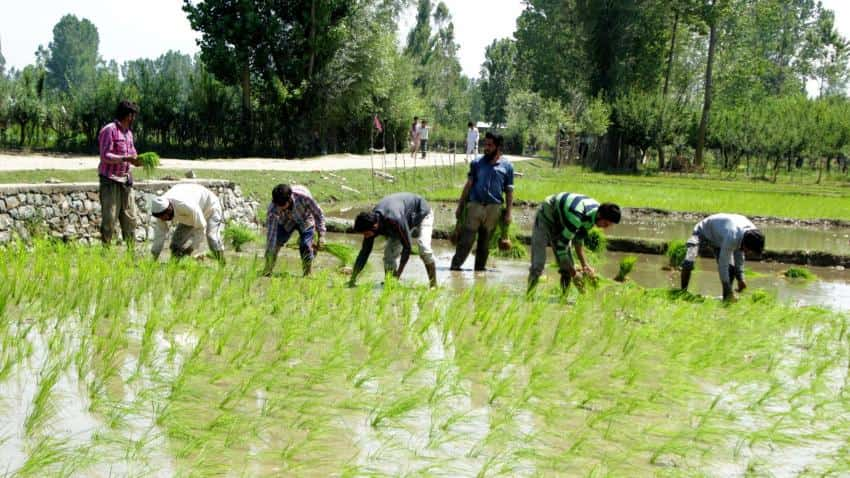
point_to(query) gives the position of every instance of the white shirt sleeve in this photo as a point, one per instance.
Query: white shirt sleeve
(160, 230)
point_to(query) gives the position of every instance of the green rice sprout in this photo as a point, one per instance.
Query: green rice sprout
(799, 273)
(676, 252)
(627, 264)
(510, 232)
(596, 241)
(237, 235)
(343, 252)
(150, 161)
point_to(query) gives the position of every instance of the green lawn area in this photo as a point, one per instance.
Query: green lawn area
(793, 197)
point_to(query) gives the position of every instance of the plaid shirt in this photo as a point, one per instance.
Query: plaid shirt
(304, 213)
(114, 144)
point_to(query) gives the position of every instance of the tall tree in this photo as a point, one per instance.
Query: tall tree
(713, 9)
(497, 73)
(73, 55)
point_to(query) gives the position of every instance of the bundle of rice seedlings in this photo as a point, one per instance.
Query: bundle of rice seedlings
(596, 241)
(505, 242)
(343, 252)
(627, 264)
(238, 235)
(676, 252)
(799, 273)
(150, 161)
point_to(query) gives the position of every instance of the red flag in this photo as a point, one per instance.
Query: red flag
(378, 125)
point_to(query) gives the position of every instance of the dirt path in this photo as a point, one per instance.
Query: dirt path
(29, 162)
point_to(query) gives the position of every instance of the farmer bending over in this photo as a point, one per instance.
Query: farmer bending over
(197, 212)
(293, 208)
(490, 177)
(732, 236)
(400, 217)
(562, 219)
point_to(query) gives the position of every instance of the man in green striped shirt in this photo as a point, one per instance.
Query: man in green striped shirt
(562, 219)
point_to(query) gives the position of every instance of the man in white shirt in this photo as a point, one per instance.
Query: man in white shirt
(471, 142)
(423, 138)
(197, 212)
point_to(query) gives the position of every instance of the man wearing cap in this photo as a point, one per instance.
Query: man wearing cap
(561, 220)
(400, 217)
(197, 212)
(117, 154)
(293, 208)
(732, 236)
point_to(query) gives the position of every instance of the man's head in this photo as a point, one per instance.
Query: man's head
(162, 209)
(493, 144)
(424, 122)
(282, 197)
(607, 214)
(415, 119)
(367, 223)
(126, 112)
(469, 125)
(753, 242)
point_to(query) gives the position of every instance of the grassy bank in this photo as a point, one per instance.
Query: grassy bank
(135, 367)
(791, 197)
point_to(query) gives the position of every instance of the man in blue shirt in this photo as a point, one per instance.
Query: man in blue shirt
(490, 178)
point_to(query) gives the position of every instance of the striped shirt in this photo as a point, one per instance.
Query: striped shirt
(571, 216)
(114, 145)
(302, 215)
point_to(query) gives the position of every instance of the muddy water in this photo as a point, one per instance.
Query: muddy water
(832, 290)
(834, 240)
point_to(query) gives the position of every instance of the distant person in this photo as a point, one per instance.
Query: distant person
(490, 178)
(117, 155)
(414, 137)
(198, 214)
(401, 218)
(293, 208)
(562, 220)
(471, 142)
(424, 131)
(732, 236)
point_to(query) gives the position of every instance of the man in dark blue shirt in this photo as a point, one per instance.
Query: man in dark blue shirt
(490, 178)
(401, 217)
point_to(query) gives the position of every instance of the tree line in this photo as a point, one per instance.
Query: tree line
(756, 84)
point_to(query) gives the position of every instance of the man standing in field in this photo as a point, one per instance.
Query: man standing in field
(732, 236)
(490, 177)
(564, 219)
(414, 137)
(197, 212)
(117, 155)
(471, 142)
(293, 208)
(424, 131)
(401, 217)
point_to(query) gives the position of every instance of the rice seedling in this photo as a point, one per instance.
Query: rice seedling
(150, 161)
(676, 251)
(627, 264)
(505, 242)
(237, 235)
(345, 253)
(799, 273)
(596, 241)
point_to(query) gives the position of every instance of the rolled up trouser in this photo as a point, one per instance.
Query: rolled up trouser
(543, 236)
(692, 253)
(421, 234)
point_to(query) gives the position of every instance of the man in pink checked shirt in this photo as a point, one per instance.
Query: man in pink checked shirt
(117, 154)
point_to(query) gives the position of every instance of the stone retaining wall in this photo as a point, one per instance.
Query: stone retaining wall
(71, 211)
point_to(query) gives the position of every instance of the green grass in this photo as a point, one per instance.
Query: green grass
(792, 197)
(188, 368)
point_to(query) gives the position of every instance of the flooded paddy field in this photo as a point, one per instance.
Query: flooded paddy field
(114, 365)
